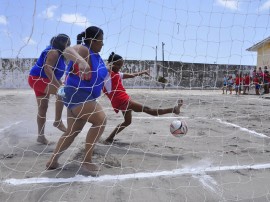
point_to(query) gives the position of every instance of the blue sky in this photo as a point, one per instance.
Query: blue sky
(199, 31)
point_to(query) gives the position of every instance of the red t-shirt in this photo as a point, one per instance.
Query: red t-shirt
(256, 80)
(116, 92)
(247, 80)
(238, 80)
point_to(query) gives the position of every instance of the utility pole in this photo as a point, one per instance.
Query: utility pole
(156, 56)
(163, 66)
(156, 69)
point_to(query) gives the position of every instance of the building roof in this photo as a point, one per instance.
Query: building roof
(259, 44)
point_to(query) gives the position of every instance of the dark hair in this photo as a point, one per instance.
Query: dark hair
(114, 57)
(90, 33)
(60, 42)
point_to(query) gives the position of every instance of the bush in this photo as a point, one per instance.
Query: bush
(162, 79)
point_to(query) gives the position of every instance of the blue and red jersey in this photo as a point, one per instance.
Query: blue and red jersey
(58, 69)
(95, 84)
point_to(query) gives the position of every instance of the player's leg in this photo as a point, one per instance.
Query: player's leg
(92, 112)
(137, 107)
(75, 126)
(58, 123)
(127, 121)
(59, 105)
(42, 102)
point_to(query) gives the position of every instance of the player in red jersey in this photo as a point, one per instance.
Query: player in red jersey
(121, 101)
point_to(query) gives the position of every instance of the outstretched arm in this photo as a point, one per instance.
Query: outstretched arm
(126, 75)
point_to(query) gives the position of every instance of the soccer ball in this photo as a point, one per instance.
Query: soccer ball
(178, 128)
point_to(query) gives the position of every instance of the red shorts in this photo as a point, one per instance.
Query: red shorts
(38, 84)
(120, 103)
(122, 106)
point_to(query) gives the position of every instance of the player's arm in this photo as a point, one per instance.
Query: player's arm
(126, 75)
(80, 55)
(51, 60)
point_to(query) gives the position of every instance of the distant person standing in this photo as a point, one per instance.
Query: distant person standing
(225, 84)
(246, 83)
(45, 78)
(260, 72)
(238, 83)
(257, 83)
(266, 81)
(230, 83)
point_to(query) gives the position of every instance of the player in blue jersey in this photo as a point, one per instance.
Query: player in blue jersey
(45, 79)
(82, 88)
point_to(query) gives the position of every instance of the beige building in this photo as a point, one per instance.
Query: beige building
(263, 52)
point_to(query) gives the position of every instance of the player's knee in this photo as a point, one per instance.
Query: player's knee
(42, 110)
(148, 110)
(100, 119)
(127, 122)
(70, 135)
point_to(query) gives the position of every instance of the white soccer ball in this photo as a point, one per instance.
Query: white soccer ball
(178, 128)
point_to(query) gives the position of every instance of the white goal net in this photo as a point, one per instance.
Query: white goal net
(193, 49)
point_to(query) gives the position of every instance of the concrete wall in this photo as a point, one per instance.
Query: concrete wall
(14, 73)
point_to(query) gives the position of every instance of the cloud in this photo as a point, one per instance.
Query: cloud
(49, 12)
(28, 41)
(231, 4)
(3, 20)
(265, 6)
(76, 19)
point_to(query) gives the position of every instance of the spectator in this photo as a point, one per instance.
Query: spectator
(246, 84)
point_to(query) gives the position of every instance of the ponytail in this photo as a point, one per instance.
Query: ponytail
(60, 42)
(80, 38)
(89, 34)
(114, 57)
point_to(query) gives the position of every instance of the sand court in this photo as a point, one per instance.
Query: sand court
(224, 156)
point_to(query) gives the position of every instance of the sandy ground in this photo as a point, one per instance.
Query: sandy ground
(224, 156)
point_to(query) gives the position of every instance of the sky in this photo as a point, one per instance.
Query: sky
(193, 31)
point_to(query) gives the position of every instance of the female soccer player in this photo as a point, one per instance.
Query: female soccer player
(82, 88)
(45, 78)
(120, 100)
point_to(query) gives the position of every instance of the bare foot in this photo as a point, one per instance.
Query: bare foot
(91, 167)
(108, 141)
(42, 140)
(60, 125)
(176, 109)
(52, 165)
